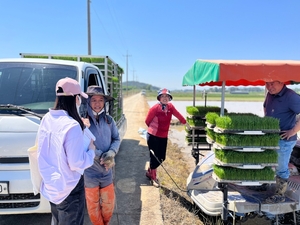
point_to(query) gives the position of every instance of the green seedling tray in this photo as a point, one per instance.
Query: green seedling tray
(246, 132)
(245, 148)
(244, 166)
(243, 182)
(237, 174)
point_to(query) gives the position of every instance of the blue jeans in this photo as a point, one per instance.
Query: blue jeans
(284, 154)
(71, 210)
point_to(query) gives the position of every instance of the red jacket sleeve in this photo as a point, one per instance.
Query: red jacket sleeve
(178, 115)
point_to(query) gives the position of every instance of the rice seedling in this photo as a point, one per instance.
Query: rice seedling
(230, 156)
(211, 117)
(202, 110)
(230, 173)
(226, 139)
(210, 133)
(196, 121)
(242, 121)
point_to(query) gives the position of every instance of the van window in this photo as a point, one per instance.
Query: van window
(94, 78)
(32, 85)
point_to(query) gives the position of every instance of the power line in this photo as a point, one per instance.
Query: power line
(119, 30)
(122, 40)
(111, 39)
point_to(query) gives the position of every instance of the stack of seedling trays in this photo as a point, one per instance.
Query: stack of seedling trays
(245, 147)
(197, 136)
(196, 119)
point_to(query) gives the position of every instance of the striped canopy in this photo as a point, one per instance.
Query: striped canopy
(241, 72)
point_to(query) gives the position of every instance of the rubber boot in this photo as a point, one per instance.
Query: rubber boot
(154, 180)
(281, 186)
(148, 174)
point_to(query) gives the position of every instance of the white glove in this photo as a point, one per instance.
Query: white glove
(108, 159)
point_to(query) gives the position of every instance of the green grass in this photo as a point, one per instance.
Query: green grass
(229, 156)
(230, 173)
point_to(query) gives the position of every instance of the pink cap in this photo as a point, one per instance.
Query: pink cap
(70, 87)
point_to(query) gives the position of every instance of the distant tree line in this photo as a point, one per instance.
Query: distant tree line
(249, 89)
(135, 85)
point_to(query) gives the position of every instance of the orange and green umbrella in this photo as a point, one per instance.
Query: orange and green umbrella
(242, 72)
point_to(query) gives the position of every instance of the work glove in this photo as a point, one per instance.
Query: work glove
(108, 159)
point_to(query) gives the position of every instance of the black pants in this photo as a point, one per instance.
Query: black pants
(71, 210)
(159, 147)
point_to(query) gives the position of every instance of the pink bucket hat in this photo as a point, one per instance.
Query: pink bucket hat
(70, 87)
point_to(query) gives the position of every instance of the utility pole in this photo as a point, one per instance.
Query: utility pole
(133, 80)
(133, 75)
(127, 72)
(89, 27)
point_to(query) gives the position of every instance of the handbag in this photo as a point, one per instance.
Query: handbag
(35, 175)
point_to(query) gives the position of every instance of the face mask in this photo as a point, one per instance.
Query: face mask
(78, 106)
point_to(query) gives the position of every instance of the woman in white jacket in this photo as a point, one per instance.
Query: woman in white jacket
(62, 157)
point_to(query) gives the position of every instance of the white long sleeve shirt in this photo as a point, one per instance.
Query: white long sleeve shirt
(62, 157)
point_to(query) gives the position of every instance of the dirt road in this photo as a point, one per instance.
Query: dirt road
(135, 110)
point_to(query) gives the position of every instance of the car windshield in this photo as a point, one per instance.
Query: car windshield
(31, 85)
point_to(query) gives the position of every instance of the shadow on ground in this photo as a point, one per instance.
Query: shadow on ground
(129, 178)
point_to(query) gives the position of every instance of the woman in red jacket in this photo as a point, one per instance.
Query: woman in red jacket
(158, 121)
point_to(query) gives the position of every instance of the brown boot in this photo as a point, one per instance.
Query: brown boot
(281, 186)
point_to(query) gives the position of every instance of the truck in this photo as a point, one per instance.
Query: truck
(27, 90)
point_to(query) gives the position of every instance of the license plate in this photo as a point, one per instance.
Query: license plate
(4, 188)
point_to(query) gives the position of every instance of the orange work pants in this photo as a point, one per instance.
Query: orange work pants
(100, 204)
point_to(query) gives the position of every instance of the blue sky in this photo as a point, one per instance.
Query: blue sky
(163, 38)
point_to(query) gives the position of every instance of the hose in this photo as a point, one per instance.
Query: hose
(166, 171)
(173, 179)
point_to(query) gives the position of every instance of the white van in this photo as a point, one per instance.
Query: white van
(27, 91)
